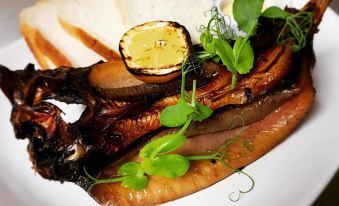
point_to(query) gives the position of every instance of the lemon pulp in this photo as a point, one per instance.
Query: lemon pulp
(153, 47)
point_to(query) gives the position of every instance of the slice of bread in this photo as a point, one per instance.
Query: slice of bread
(50, 64)
(79, 33)
(48, 40)
(98, 24)
(189, 13)
(44, 62)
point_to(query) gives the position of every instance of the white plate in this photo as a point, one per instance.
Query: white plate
(294, 173)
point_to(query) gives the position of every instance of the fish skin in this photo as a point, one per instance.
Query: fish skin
(272, 66)
(264, 135)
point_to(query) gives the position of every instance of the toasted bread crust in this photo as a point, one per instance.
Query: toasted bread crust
(90, 41)
(42, 48)
(29, 35)
(51, 52)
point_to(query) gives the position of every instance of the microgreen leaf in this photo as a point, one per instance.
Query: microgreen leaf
(206, 42)
(202, 112)
(135, 182)
(241, 58)
(246, 56)
(275, 12)
(225, 52)
(162, 145)
(129, 168)
(176, 115)
(247, 13)
(216, 59)
(172, 165)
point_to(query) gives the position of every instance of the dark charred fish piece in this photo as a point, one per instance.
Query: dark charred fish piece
(108, 126)
(113, 125)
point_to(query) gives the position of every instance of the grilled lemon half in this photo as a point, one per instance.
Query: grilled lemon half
(155, 51)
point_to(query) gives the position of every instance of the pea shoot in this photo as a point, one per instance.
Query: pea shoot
(236, 53)
(216, 38)
(156, 157)
(296, 28)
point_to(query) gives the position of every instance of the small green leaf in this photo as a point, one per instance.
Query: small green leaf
(247, 13)
(135, 182)
(129, 168)
(216, 59)
(206, 42)
(224, 50)
(275, 12)
(246, 56)
(176, 115)
(162, 145)
(202, 112)
(170, 166)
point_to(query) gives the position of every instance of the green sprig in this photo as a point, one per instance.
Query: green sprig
(156, 159)
(296, 28)
(161, 162)
(156, 156)
(216, 44)
(217, 37)
(241, 192)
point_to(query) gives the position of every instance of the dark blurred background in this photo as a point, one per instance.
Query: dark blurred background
(330, 196)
